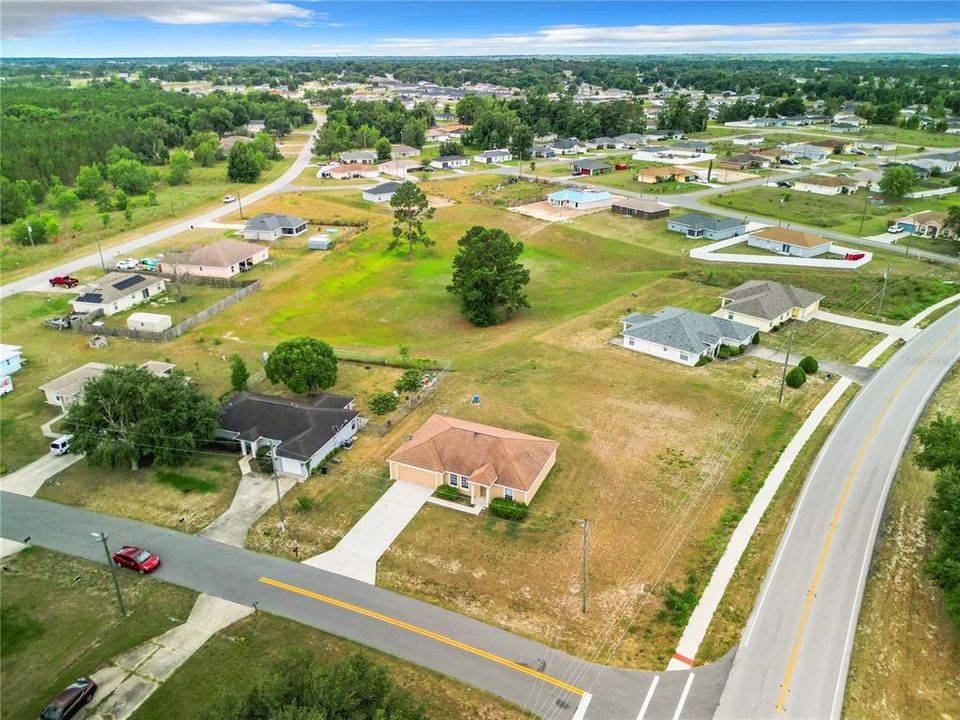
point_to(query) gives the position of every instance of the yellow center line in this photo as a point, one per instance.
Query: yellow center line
(828, 541)
(424, 632)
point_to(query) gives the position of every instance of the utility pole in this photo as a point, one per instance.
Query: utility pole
(240, 204)
(863, 216)
(30, 233)
(583, 564)
(786, 360)
(883, 290)
(276, 480)
(103, 537)
(103, 265)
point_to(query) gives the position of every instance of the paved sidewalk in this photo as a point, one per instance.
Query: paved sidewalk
(904, 331)
(356, 555)
(856, 373)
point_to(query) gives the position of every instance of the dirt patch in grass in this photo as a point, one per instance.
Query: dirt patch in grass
(246, 649)
(906, 654)
(60, 622)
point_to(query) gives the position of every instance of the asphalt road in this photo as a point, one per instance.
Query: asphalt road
(795, 651)
(127, 248)
(533, 676)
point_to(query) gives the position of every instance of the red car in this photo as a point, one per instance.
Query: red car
(134, 558)
(68, 703)
(64, 281)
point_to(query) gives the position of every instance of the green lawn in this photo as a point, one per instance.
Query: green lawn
(921, 138)
(179, 303)
(60, 622)
(823, 340)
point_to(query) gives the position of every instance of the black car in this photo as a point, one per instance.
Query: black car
(784, 183)
(68, 703)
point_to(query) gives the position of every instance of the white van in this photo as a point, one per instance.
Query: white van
(61, 446)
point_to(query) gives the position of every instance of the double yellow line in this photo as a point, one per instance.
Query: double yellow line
(424, 632)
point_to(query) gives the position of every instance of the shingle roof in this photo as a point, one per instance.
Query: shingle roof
(445, 444)
(792, 237)
(384, 188)
(827, 181)
(302, 427)
(766, 299)
(115, 285)
(72, 382)
(647, 206)
(686, 330)
(220, 253)
(566, 143)
(357, 155)
(273, 221)
(591, 164)
(705, 222)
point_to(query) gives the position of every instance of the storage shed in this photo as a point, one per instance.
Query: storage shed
(150, 322)
(319, 242)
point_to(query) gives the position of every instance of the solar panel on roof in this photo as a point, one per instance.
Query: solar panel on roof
(128, 282)
(90, 298)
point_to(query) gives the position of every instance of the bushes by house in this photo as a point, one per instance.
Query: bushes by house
(382, 403)
(508, 509)
(447, 492)
(796, 377)
(729, 351)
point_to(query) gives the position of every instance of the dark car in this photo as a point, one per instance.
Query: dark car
(68, 703)
(64, 281)
(134, 558)
(784, 183)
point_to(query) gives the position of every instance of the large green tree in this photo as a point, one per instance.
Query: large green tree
(129, 415)
(897, 181)
(35, 230)
(410, 209)
(179, 168)
(304, 364)
(89, 182)
(15, 199)
(487, 276)
(243, 164)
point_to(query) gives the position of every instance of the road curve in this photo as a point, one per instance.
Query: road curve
(126, 248)
(795, 651)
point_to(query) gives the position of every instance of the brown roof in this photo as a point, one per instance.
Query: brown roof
(769, 153)
(487, 454)
(647, 206)
(830, 143)
(353, 167)
(221, 253)
(791, 237)
(927, 216)
(827, 181)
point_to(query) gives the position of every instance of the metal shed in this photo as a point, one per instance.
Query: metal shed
(319, 242)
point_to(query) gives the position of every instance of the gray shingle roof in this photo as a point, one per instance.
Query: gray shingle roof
(705, 222)
(302, 427)
(384, 188)
(766, 299)
(273, 221)
(686, 330)
(591, 164)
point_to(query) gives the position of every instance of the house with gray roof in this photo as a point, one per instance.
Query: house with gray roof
(568, 146)
(270, 226)
(682, 336)
(118, 291)
(299, 433)
(382, 192)
(705, 227)
(630, 140)
(590, 167)
(364, 157)
(765, 304)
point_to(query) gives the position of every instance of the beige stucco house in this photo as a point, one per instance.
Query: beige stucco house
(223, 258)
(765, 304)
(481, 461)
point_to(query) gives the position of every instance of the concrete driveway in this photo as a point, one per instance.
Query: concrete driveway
(356, 555)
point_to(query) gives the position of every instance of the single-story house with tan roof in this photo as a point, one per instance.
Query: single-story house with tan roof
(398, 151)
(670, 173)
(786, 241)
(351, 170)
(765, 304)
(827, 185)
(399, 168)
(68, 387)
(646, 209)
(118, 291)
(481, 461)
(928, 223)
(222, 258)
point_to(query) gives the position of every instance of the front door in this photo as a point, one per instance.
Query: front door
(482, 497)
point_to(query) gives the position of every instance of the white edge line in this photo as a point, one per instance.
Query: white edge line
(683, 697)
(868, 553)
(648, 698)
(582, 707)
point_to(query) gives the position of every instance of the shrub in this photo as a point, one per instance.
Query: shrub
(447, 492)
(410, 381)
(304, 503)
(796, 377)
(756, 339)
(508, 509)
(382, 403)
(704, 360)
(729, 351)
(809, 365)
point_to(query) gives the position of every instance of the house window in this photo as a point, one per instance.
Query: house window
(508, 493)
(684, 357)
(452, 479)
(729, 316)
(464, 482)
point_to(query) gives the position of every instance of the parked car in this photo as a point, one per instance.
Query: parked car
(69, 701)
(784, 184)
(789, 161)
(621, 166)
(127, 264)
(134, 558)
(61, 446)
(60, 323)
(229, 198)
(894, 229)
(64, 281)
(857, 151)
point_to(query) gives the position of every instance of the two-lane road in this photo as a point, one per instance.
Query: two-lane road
(795, 651)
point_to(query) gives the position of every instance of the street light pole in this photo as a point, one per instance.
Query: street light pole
(103, 537)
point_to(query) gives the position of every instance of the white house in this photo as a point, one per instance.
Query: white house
(117, 291)
(271, 226)
(11, 359)
(765, 304)
(809, 152)
(398, 168)
(381, 193)
(299, 434)
(449, 161)
(682, 336)
(568, 146)
(399, 151)
(580, 199)
(786, 241)
(349, 170)
(488, 157)
(827, 185)
(68, 387)
(748, 140)
(364, 157)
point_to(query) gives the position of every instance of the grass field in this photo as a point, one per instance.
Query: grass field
(246, 650)
(841, 212)
(824, 341)
(920, 138)
(60, 622)
(906, 653)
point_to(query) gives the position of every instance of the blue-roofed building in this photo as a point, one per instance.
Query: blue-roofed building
(118, 291)
(683, 336)
(580, 199)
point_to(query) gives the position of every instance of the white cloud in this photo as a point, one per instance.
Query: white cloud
(25, 18)
(938, 36)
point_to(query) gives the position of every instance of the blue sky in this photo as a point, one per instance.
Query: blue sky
(130, 28)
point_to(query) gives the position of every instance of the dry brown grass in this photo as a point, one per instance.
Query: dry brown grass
(906, 656)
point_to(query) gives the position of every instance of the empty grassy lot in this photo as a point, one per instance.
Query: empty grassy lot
(60, 622)
(920, 138)
(906, 653)
(824, 341)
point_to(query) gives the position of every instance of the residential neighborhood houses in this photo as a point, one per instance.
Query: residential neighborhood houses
(683, 336)
(787, 241)
(272, 226)
(765, 304)
(118, 291)
(222, 258)
(696, 226)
